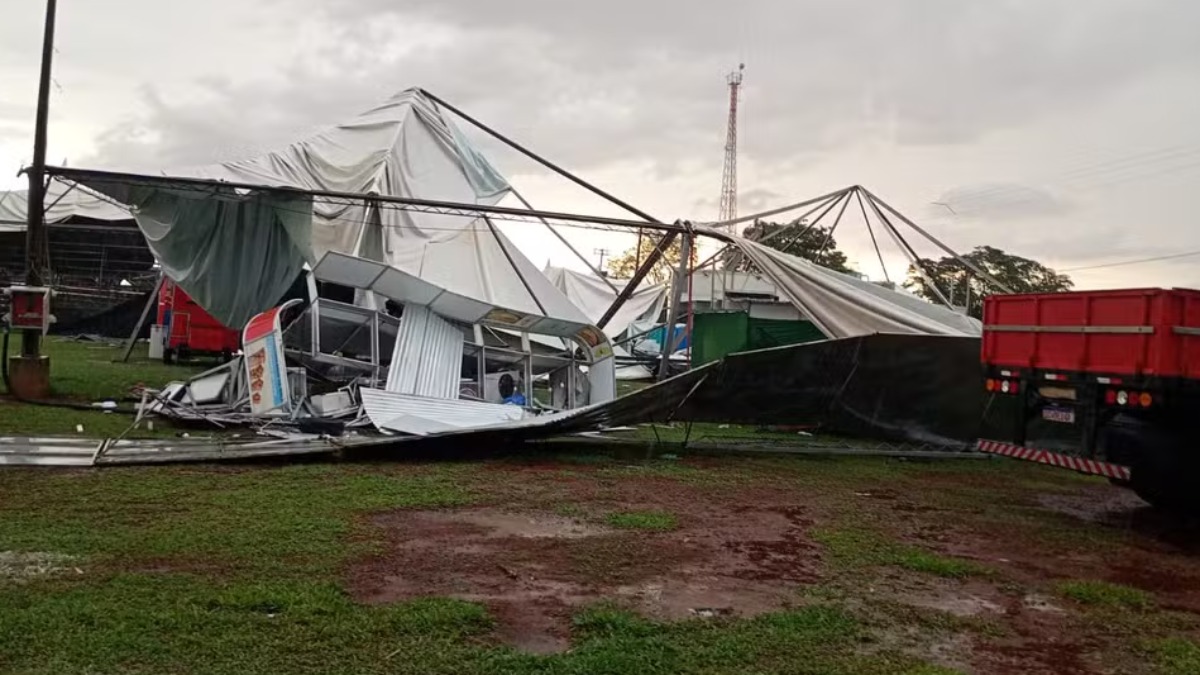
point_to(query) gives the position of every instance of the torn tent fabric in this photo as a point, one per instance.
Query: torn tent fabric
(234, 254)
(844, 306)
(592, 295)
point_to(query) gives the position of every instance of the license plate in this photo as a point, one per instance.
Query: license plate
(1058, 415)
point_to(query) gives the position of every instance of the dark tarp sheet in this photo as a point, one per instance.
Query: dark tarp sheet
(911, 388)
(920, 388)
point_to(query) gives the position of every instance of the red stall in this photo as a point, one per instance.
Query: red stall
(189, 329)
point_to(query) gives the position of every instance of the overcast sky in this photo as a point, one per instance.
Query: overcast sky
(1060, 130)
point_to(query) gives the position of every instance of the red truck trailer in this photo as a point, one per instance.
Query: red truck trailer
(1101, 382)
(189, 329)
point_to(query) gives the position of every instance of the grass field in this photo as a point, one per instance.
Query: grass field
(560, 562)
(86, 373)
(526, 565)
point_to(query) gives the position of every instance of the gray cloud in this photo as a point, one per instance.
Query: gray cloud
(999, 201)
(596, 83)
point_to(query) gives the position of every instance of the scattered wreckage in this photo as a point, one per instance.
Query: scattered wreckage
(443, 364)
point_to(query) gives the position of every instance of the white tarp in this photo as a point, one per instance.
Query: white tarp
(592, 295)
(405, 147)
(64, 204)
(843, 306)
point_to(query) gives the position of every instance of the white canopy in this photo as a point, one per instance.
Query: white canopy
(405, 147)
(64, 204)
(844, 306)
(592, 295)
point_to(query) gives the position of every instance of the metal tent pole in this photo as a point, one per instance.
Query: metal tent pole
(836, 222)
(651, 260)
(141, 322)
(908, 251)
(967, 263)
(668, 344)
(566, 243)
(874, 242)
(539, 159)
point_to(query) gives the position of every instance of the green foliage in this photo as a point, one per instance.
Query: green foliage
(1105, 594)
(955, 280)
(625, 265)
(643, 520)
(814, 243)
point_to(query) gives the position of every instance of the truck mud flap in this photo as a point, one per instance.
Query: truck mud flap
(1091, 466)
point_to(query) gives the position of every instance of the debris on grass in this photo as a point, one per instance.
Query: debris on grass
(27, 565)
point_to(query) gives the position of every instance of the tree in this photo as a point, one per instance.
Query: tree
(813, 243)
(625, 265)
(962, 287)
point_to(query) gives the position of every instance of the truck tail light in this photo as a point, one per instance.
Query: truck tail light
(1122, 398)
(1110, 397)
(990, 385)
(1145, 399)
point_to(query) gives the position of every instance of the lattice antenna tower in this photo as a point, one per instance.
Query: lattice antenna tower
(728, 209)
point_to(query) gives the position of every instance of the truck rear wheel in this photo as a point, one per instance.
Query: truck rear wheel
(1163, 471)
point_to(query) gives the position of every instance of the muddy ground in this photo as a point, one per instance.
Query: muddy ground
(987, 567)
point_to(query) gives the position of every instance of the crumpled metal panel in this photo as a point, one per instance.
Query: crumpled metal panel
(427, 360)
(426, 416)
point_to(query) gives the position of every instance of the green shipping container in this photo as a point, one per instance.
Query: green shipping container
(715, 334)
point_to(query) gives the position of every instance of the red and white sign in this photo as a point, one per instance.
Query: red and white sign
(266, 368)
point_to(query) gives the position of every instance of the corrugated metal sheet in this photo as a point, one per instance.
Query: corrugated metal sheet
(65, 451)
(428, 416)
(48, 451)
(428, 357)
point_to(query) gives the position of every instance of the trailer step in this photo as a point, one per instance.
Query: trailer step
(1106, 469)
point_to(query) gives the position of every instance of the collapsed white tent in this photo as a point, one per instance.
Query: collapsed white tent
(844, 306)
(406, 147)
(64, 202)
(592, 295)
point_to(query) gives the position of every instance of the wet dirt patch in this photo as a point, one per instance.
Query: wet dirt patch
(533, 570)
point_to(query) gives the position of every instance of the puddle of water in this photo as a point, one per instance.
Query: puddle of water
(531, 526)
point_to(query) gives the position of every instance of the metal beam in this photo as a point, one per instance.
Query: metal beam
(566, 243)
(87, 176)
(871, 231)
(908, 251)
(651, 260)
(776, 211)
(836, 222)
(150, 303)
(539, 159)
(668, 343)
(967, 263)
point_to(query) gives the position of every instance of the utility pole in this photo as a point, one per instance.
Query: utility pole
(728, 208)
(603, 253)
(31, 372)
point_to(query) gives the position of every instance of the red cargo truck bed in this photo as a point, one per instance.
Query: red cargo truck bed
(1141, 332)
